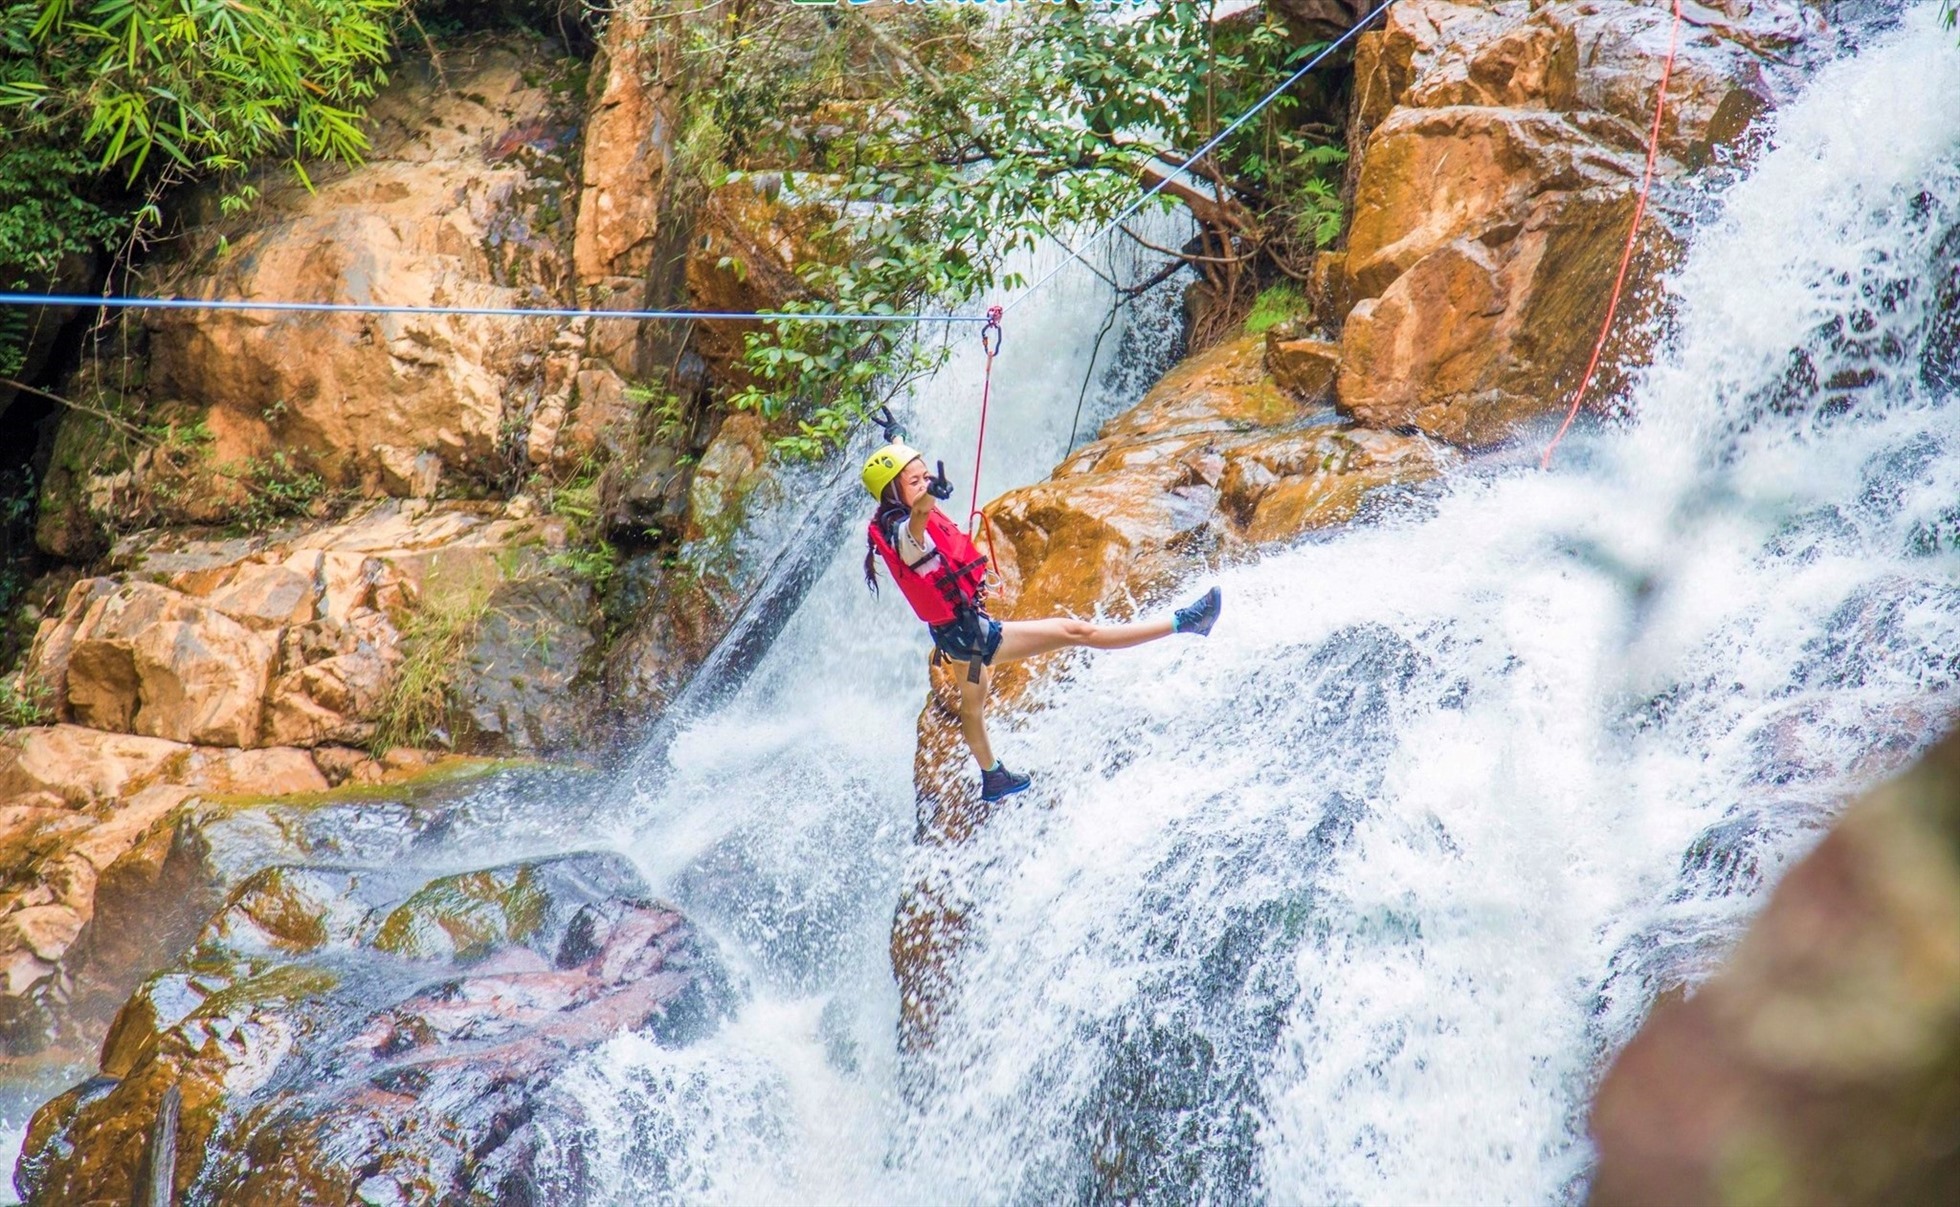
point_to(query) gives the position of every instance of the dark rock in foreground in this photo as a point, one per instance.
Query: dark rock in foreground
(355, 1035)
(1822, 1064)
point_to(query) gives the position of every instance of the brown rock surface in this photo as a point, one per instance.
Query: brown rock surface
(75, 802)
(1820, 1064)
(1303, 366)
(455, 207)
(1497, 151)
(468, 199)
(1216, 456)
(149, 660)
(628, 139)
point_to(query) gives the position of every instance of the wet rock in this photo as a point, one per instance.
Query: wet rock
(533, 643)
(1497, 149)
(328, 1034)
(1817, 1064)
(1940, 362)
(77, 804)
(729, 472)
(676, 617)
(112, 854)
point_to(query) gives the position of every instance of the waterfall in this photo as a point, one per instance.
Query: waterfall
(1352, 900)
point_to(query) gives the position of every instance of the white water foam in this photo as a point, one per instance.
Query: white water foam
(1349, 902)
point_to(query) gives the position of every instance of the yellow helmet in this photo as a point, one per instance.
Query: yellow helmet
(887, 463)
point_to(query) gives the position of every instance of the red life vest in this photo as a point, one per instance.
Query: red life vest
(951, 579)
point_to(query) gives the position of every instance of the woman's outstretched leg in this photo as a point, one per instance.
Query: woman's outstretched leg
(1029, 638)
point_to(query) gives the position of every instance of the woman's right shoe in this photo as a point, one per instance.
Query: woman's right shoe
(1001, 782)
(1200, 616)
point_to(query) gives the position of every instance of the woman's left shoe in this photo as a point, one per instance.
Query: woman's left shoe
(1200, 616)
(1001, 782)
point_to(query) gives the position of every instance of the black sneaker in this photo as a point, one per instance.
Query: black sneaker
(1001, 782)
(1198, 617)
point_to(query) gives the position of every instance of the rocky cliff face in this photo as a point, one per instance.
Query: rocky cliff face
(301, 552)
(279, 526)
(1496, 149)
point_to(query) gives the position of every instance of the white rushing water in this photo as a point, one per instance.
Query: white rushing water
(1350, 901)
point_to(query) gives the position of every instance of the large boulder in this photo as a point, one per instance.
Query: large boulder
(463, 203)
(342, 1034)
(149, 660)
(482, 189)
(1217, 458)
(304, 638)
(1497, 151)
(1819, 1064)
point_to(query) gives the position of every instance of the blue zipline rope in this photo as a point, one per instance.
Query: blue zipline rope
(1076, 253)
(82, 300)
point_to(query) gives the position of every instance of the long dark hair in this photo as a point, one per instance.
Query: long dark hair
(891, 513)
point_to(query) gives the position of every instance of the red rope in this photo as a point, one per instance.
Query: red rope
(991, 347)
(1633, 235)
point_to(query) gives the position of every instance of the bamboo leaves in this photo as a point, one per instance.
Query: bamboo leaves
(206, 85)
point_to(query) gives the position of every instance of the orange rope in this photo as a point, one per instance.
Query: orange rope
(1633, 235)
(990, 338)
(992, 348)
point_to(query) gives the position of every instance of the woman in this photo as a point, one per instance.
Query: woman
(940, 573)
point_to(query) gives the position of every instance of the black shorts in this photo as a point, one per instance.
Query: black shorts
(970, 635)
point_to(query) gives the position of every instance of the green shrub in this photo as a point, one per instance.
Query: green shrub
(24, 700)
(108, 104)
(435, 641)
(1274, 306)
(966, 137)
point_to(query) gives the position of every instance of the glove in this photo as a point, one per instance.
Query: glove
(938, 486)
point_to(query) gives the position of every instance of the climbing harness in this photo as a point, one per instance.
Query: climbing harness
(1633, 236)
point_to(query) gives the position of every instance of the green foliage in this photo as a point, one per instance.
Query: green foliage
(435, 641)
(24, 701)
(591, 556)
(596, 562)
(1274, 306)
(668, 409)
(961, 137)
(109, 103)
(44, 219)
(208, 84)
(278, 487)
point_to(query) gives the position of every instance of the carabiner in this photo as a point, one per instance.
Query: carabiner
(991, 348)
